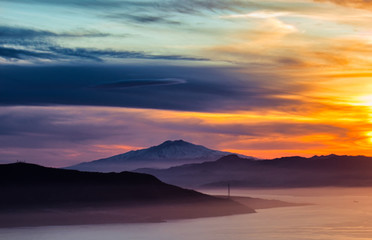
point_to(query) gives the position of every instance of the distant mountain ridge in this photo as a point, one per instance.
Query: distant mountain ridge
(168, 154)
(285, 172)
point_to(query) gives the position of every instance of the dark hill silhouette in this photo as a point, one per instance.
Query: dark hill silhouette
(59, 196)
(317, 171)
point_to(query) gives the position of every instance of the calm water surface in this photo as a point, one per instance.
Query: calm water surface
(338, 215)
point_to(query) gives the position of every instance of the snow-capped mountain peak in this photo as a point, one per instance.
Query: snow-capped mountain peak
(167, 154)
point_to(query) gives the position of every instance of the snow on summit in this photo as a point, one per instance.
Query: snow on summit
(167, 154)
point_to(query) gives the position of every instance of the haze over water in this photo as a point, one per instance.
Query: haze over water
(342, 214)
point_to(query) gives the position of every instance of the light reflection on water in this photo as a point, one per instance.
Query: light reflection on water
(337, 215)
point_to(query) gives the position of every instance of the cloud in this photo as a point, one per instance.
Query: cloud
(257, 14)
(7, 32)
(99, 54)
(51, 52)
(139, 82)
(148, 11)
(269, 40)
(12, 53)
(362, 4)
(143, 18)
(58, 137)
(275, 128)
(78, 3)
(37, 45)
(158, 87)
(278, 45)
(185, 7)
(39, 125)
(64, 135)
(32, 45)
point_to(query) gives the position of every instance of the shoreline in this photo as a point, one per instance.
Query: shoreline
(139, 214)
(88, 216)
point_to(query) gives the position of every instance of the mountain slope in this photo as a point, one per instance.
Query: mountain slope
(317, 171)
(34, 195)
(25, 184)
(167, 154)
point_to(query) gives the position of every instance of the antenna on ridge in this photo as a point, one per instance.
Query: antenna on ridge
(228, 190)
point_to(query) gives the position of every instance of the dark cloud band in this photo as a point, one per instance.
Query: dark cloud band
(139, 83)
(158, 87)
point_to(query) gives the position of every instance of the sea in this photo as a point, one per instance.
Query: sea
(334, 214)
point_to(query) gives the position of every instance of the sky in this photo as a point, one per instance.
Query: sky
(86, 79)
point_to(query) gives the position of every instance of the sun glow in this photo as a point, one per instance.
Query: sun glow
(369, 136)
(366, 100)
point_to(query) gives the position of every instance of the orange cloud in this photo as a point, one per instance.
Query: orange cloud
(362, 4)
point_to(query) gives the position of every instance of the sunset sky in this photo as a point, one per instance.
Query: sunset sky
(86, 79)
